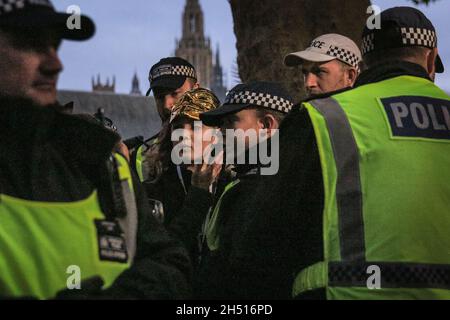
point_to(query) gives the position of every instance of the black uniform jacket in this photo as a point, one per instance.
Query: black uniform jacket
(53, 157)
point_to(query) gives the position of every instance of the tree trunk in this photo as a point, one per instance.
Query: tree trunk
(267, 30)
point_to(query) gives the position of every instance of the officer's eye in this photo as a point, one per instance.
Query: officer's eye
(319, 71)
(30, 41)
(234, 119)
(230, 120)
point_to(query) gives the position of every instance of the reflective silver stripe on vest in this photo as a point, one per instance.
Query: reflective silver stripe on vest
(392, 275)
(348, 186)
(129, 223)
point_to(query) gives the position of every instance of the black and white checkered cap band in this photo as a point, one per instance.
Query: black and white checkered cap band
(410, 37)
(419, 37)
(368, 43)
(260, 99)
(8, 6)
(344, 55)
(174, 71)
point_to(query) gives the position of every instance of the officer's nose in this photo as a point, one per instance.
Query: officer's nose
(51, 64)
(310, 81)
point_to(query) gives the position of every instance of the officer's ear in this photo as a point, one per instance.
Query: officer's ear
(193, 83)
(352, 74)
(269, 122)
(431, 62)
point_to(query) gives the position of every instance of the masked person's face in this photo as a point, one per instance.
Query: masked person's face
(191, 139)
(324, 77)
(29, 65)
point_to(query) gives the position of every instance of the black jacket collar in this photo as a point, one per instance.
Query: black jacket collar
(324, 95)
(251, 169)
(25, 122)
(389, 70)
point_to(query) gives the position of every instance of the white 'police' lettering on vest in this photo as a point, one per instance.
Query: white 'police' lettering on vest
(420, 117)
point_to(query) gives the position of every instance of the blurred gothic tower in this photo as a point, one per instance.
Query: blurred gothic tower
(135, 90)
(98, 86)
(217, 82)
(196, 48)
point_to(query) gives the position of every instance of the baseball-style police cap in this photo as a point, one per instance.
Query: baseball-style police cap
(253, 94)
(326, 48)
(401, 27)
(40, 14)
(170, 73)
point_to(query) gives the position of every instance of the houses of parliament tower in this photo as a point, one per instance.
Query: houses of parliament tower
(196, 48)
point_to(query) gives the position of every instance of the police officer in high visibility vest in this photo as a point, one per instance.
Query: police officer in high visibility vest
(73, 222)
(385, 153)
(363, 184)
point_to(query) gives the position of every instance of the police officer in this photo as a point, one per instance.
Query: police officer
(253, 107)
(330, 63)
(362, 195)
(71, 216)
(169, 79)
